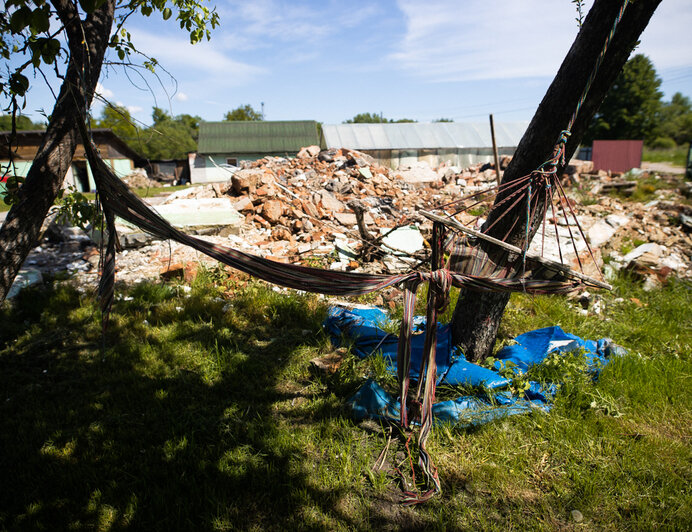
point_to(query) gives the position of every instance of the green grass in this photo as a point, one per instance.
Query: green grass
(676, 156)
(647, 187)
(147, 192)
(200, 412)
(141, 192)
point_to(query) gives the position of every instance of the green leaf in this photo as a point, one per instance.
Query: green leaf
(19, 84)
(40, 20)
(167, 13)
(50, 49)
(89, 6)
(20, 19)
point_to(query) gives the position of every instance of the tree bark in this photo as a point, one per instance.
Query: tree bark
(87, 43)
(477, 315)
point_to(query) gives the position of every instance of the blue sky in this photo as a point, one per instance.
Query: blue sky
(329, 60)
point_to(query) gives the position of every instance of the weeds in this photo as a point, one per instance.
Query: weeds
(676, 156)
(198, 410)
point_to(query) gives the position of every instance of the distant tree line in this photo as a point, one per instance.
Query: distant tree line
(23, 123)
(374, 118)
(168, 137)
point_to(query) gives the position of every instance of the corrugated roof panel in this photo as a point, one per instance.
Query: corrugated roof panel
(378, 134)
(257, 137)
(506, 133)
(412, 136)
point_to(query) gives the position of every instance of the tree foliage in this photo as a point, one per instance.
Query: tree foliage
(118, 119)
(244, 113)
(374, 118)
(676, 120)
(69, 38)
(168, 140)
(169, 137)
(30, 31)
(22, 123)
(633, 109)
(632, 106)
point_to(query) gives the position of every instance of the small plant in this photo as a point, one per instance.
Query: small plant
(518, 380)
(380, 370)
(316, 261)
(77, 209)
(579, 4)
(12, 185)
(627, 246)
(379, 480)
(563, 367)
(481, 210)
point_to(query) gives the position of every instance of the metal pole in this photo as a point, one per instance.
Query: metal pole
(497, 158)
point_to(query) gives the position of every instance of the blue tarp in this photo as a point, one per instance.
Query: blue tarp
(364, 327)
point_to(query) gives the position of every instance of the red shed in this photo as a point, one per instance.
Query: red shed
(617, 155)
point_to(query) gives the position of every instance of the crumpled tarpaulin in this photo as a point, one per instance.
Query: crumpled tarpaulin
(364, 327)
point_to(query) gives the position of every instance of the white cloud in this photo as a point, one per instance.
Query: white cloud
(103, 91)
(180, 97)
(666, 39)
(132, 109)
(179, 53)
(261, 23)
(447, 40)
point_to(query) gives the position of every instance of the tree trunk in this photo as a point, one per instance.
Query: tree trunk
(477, 315)
(54, 157)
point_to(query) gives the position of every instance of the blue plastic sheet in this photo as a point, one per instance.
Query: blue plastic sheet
(364, 328)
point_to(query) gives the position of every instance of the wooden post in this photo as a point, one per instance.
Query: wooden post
(497, 158)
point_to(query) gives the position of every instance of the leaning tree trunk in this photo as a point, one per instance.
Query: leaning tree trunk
(477, 315)
(87, 42)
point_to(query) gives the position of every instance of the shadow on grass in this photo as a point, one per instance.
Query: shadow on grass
(145, 435)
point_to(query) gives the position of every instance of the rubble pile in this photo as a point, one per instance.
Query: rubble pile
(139, 179)
(304, 207)
(339, 209)
(651, 240)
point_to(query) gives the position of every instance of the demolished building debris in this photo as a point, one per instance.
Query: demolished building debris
(341, 209)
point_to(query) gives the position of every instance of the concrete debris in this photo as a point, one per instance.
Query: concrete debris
(418, 173)
(404, 240)
(337, 208)
(26, 277)
(139, 179)
(308, 152)
(600, 232)
(651, 250)
(200, 212)
(246, 181)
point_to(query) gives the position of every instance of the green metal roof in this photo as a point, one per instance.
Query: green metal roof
(257, 137)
